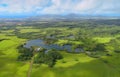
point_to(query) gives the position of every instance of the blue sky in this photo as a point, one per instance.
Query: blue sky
(40, 7)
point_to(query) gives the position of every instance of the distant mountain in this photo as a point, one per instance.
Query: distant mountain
(55, 17)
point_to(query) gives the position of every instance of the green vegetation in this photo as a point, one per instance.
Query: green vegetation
(99, 57)
(48, 58)
(25, 53)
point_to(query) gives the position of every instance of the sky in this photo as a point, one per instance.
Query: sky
(62, 7)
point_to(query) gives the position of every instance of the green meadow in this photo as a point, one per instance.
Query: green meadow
(72, 64)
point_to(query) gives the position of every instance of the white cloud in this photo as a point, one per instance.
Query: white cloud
(21, 6)
(109, 7)
(81, 6)
(61, 6)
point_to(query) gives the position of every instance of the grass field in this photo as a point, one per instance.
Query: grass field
(84, 67)
(72, 65)
(103, 40)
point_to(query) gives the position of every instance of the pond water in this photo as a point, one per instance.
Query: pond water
(41, 43)
(71, 37)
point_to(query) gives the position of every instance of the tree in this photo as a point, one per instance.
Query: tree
(88, 44)
(25, 53)
(48, 58)
(115, 44)
(99, 47)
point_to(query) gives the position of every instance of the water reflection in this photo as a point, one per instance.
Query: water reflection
(41, 43)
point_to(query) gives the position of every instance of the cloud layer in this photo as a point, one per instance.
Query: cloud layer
(36, 7)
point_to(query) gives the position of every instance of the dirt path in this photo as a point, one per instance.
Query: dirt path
(31, 64)
(30, 68)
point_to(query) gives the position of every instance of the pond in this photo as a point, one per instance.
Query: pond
(41, 43)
